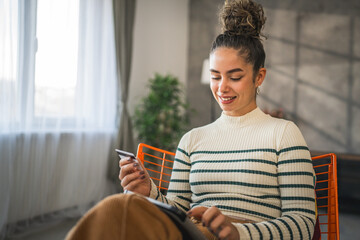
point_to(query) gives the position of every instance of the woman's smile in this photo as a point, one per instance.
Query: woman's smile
(226, 100)
(232, 81)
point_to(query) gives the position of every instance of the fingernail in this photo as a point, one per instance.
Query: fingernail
(142, 172)
(142, 177)
(136, 164)
(130, 160)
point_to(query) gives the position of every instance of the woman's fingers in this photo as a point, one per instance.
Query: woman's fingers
(129, 165)
(133, 176)
(225, 233)
(197, 212)
(209, 215)
(125, 161)
(129, 179)
(129, 169)
(133, 181)
(218, 224)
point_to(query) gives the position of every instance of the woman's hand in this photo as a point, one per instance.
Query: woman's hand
(216, 222)
(133, 176)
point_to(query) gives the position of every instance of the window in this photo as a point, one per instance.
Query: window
(57, 66)
(57, 36)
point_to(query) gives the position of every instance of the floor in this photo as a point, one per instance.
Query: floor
(349, 227)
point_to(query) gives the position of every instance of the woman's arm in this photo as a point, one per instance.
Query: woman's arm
(296, 186)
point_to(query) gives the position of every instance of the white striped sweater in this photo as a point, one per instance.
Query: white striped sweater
(253, 166)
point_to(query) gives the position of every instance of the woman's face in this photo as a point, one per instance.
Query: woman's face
(232, 81)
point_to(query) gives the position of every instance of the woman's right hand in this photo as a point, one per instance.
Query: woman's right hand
(134, 177)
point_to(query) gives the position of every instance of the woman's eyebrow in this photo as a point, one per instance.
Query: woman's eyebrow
(230, 71)
(214, 71)
(235, 70)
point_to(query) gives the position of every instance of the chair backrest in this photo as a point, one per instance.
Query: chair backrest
(325, 167)
(159, 163)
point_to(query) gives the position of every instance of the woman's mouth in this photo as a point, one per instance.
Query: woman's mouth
(226, 100)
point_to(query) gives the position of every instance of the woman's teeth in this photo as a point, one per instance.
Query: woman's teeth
(227, 99)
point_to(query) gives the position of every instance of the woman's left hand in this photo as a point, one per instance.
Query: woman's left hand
(219, 224)
(216, 222)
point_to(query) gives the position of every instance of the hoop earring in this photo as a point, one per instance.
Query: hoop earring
(257, 90)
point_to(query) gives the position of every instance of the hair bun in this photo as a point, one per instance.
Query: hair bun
(242, 17)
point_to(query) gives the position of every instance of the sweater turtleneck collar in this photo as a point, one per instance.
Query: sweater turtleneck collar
(249, 117)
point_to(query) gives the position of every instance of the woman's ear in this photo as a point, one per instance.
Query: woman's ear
(260, 77)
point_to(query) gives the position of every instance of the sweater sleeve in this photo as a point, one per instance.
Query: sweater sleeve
(296, 185)
(179, 193)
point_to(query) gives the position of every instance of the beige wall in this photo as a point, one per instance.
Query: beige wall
(160, 44)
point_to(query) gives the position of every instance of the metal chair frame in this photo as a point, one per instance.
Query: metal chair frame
(326, 189)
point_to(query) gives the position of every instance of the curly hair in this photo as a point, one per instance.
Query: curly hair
(242, 22)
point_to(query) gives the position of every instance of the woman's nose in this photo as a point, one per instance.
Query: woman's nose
(223, 85)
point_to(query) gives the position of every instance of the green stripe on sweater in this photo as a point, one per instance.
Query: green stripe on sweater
(183, 151)
(238, 199)
(271, 150)
(233, 171)
(248, 230)
(232, 183)
(296, 198)
(182, 206)
(178, 191)
(270, 233)
(292, 149)
(235, 160)
(296, 174)
(277, 227)
(244, 211)
(261, 197)
(296, 186)
(298, 210)
(235, 151)
(180, 180)
(184, 198)
(305, 160)
(297, 225)
(288, 227)
(257, 228)
(181, 170)
(307, 227)
(182, 161)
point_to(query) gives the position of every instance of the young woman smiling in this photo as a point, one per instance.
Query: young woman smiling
(233, 81)
(245, 176)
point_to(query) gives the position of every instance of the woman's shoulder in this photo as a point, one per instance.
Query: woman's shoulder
(197, 134)
(196, 131)
(286, 131)
(275, 121)
(280, 126)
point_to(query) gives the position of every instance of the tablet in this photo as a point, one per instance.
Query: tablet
(187, 228)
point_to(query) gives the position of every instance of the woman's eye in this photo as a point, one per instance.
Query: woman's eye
(215, 78)
(235, 79)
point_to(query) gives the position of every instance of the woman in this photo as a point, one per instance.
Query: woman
(246, 175)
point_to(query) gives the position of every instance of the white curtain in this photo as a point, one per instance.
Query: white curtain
(57, 108)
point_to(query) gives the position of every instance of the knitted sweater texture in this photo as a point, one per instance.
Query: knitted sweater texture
(253, 166)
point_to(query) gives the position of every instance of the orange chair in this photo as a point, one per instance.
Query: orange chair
(159, 163)
(327, 195)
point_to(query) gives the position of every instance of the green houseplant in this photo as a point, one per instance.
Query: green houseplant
(161, 117)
